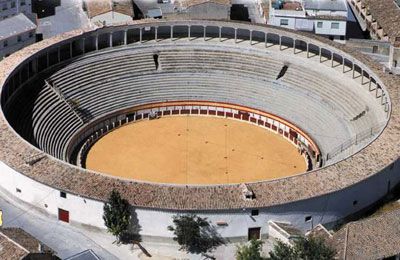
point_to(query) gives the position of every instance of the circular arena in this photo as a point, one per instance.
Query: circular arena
(218, 118)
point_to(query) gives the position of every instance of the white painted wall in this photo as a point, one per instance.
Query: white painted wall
(326, 209)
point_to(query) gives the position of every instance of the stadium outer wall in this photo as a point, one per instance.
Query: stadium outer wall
(329, 207)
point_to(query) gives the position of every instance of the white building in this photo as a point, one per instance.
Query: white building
(16, 32)
(9, 8)
(323, 17)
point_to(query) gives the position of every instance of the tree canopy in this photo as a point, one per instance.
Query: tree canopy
(250, 251)
(116, 214)
(310, 248)
(194, 234)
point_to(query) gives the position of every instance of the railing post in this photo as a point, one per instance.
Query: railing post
(219, 33)
(155, 33)
(96, 42)
(111, 40)
(251, 37)
(189, 32)
(204, 32)
(125, 37)
(266, 39)
(172, 32)
(294, 46)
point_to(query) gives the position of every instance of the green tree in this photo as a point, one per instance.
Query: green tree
(250, 251)
(195, 234)
(116, 215)
(310, 248)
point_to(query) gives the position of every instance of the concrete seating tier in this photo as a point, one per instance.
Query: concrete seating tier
(115, 79)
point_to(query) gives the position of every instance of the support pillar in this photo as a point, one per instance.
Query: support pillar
(125, 37)
(155, 33)
(83, 45)
(266, 40)
(219, 33)
(235, 35)
(70, 50)
(294, 46)
(320, 54)
(172, 32)
(58, 55)
(332, 59)
(280, 42)
(308, 50)
(47, 60)
(370, 83)
(251, 37)
(353, 70)
(189, 32)
(204, 32)
(96, 42)
(344, 67)
(140, 35)
(110, 44)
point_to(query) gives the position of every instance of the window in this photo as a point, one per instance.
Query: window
(307, 218)
(19, 38)
(4, 6)
(23, 2)
(12, 4)
(254, 233)
(334, 25)
(319, 24)
(254, 212)
(284, 22)
(5, 43)
(63, 194)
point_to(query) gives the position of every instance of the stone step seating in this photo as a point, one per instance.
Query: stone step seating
(125, 78)
(50, 128)
(169, 88)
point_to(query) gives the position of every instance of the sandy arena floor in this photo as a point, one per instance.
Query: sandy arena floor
(195, 150)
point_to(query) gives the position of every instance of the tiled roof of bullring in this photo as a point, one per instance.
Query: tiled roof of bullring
(387, 14)
(372, 238)
(378, 155)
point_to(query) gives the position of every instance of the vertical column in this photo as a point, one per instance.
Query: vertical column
(125, 37)
(280, 42)
(320, 54)
(70, 50)
(155, 33)
(251, 37)
(219, 33)
(47, 60)
(308, 49)
(83, 45)
(204, 32)
(370, 83)
(96, 42)
(343, 63)
(110, 39)
(189, 32)
(172, 32)
(58, 55)
(265, 39)
(332, 59)
(235, 35)
(353, 70)
(140, 34)
(294, 46)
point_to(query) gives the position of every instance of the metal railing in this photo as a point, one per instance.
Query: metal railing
(358, 138)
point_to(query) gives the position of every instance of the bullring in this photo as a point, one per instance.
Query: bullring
(364, 170)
